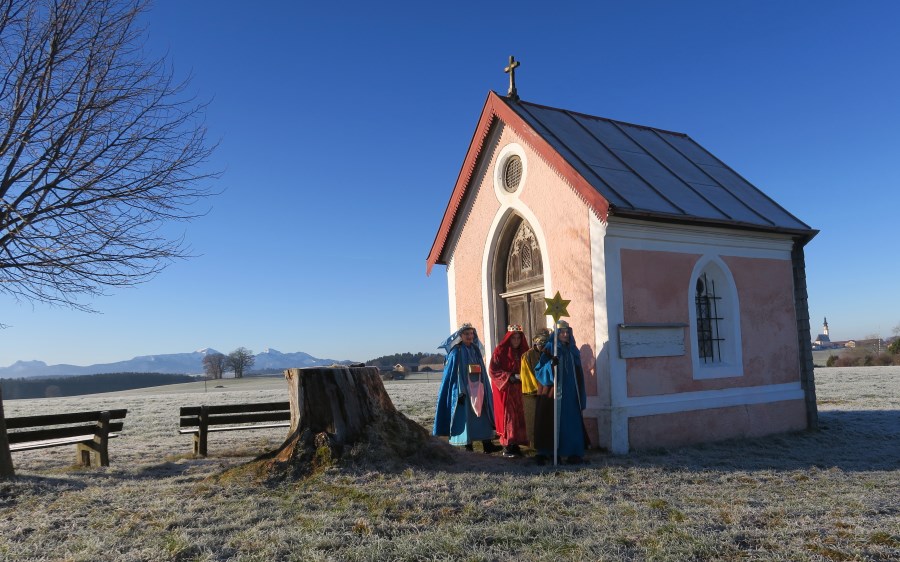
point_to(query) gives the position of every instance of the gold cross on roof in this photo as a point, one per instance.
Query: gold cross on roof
(511, 70)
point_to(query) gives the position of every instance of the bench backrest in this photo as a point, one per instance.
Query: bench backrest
(236, 414)
(59, 426)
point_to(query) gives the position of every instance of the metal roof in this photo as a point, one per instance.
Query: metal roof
(642, 171)
(625, 170)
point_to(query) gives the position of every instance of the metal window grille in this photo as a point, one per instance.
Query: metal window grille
(709, 339)
(512, 174)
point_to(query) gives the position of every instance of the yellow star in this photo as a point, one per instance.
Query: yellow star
(556, 307)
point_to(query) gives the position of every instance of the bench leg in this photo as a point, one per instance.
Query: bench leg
(93, 454)
(200, 443)
(103, 453)
(84, 454)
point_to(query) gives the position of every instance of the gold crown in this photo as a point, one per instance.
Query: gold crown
(514, 328)
(562, 324)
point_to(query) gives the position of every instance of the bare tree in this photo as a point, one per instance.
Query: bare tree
(99, 147)
(214, 365)
(239, 360)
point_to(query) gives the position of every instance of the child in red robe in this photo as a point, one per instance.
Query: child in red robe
(506, 384)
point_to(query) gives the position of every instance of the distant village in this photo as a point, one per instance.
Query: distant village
(823, 342)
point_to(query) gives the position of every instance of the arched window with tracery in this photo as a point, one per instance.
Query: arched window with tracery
(520, 279)
(524, 265)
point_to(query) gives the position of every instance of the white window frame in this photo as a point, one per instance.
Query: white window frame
(507, 152)
(730, 363)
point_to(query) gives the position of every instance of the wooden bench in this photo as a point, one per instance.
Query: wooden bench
(90, 432)
(202, 420)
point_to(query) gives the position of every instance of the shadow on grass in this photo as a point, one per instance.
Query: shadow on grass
(10, 490)
(849, 440)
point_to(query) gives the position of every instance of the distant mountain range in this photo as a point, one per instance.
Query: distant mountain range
(174, 363)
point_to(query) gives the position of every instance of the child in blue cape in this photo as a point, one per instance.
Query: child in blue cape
(465, 409)
(569, 390)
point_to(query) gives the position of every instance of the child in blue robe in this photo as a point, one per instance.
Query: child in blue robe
(570, 391)
(465, 409)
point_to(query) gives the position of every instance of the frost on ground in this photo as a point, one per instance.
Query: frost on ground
(826, 495)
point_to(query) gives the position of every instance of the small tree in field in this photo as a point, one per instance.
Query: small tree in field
(99, 148)
(894, 348)
(214, 365)
(240, 360)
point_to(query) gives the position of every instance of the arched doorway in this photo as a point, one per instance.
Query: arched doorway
(519, 279)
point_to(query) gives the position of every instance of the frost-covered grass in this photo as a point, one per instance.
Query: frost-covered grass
(828, 495)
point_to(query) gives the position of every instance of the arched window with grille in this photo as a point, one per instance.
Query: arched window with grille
(715, 321)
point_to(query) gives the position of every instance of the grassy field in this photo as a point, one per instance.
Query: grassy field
(828, 495)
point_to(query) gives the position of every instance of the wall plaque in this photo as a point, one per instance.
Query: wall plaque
(651, 340)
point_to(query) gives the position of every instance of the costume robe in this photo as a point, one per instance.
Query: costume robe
(538, 405)
(455, 415)
(509, 410)
(570, 392)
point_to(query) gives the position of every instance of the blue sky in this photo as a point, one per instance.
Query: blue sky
(343, 126)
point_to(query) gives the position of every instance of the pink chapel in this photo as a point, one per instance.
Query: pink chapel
(687, 283)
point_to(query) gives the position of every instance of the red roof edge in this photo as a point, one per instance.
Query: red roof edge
(496, 107)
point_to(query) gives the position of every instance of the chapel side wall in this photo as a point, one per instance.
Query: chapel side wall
(768, 318)
(768, 324)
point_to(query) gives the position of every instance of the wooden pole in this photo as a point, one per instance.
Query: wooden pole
(6, 465)
(555, 400)
(556, 307)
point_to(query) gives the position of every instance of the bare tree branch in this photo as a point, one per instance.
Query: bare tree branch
(99, 148)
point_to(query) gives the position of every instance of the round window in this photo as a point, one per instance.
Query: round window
(512, 174)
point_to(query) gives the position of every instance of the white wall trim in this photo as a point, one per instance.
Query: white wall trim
(602, 346)
(615, 305)
(707, 399)
(598, 279)
(642, 235)
(702, 399)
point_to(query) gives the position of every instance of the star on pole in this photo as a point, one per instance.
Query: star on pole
(556, 307)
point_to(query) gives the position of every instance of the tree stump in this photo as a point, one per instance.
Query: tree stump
(344, 413)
